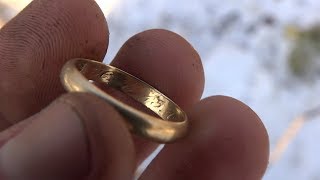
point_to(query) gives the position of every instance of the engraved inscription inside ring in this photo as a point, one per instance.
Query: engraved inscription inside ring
(106, 77)
(155, 102)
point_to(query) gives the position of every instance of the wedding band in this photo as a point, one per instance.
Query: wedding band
(77, 76)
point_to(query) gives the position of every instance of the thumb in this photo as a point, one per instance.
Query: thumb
(77, 136)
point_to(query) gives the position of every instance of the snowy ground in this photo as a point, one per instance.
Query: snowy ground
(244, 48)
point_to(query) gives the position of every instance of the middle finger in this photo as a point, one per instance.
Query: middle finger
(169, 63)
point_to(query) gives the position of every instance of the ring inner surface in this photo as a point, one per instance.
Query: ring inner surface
(133, 87)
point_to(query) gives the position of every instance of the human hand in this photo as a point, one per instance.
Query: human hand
(79, 136)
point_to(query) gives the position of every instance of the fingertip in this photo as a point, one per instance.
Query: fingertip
(110, 143)
(169, 63)
(237, 130)
(77, 136)
(227, 140)
(165, 60)
(37, 43)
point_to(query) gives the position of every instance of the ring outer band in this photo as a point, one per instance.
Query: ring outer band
(140, 123)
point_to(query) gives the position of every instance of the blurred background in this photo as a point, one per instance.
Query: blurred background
(262, 52)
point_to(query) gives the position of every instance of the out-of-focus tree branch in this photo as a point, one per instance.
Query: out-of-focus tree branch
(291, 132)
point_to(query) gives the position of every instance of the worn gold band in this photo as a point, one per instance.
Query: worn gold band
(76, 76)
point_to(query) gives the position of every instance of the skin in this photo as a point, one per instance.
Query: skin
(49, 134)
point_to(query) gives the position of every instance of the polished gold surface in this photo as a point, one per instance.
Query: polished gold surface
(76, 76)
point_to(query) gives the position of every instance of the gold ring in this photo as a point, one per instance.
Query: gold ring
(77, 76)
